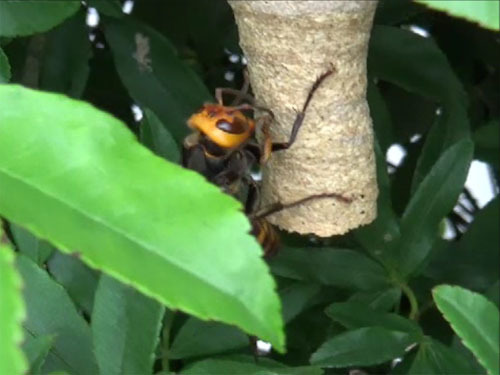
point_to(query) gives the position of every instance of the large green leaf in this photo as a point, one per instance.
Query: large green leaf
(154, 75)
(51, 312)
(362, 347)
(12, 313)
(355, 315)
(435, 198)
(4, 68)
(475, 320)
(125, 327)
(78, 279)
(484, 12)
(31, 246)
(113, 202)
(27, 17)
(67, 52)
(245, 365)
(336, 267)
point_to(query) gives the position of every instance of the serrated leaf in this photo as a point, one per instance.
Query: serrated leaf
(65, 64)
(156, 137)
(19, 18)
(113, 202)
(12, 313)
(245, 365)
(31, 246)
(484, 12)
(4, 68)
(475, 320)
(354, 315)
(154, 75)
(79, 280)
(362, 347)
(51, 312)
(126, 327)
(353, 270)
(435, 198)
(36, 350)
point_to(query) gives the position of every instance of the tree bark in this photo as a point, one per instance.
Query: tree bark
(288, 44)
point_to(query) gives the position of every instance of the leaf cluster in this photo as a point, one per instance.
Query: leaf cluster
(130, 264)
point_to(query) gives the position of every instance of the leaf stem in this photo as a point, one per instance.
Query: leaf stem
(412, 298)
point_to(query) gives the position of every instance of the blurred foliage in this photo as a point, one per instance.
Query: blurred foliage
(354, 302)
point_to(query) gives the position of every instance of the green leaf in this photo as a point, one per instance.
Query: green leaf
(125, 327)
(245, 365)
(383, 300)
(418, 65)
(382, 122)
(51, 312)
(31, 246)
(67, 51)
(353, 270)
(4, 68)
(484, 12)
(12, 313)
(362, 347)
(79, 280)
(157, 138)
(475, 320)
(475, 256)
(354, 315)
(154, 75)
(198, 338)
(434, 358)
(379, 236)
(19, 18)
(113, 202)
(296, 297)
(36, 350)
(435, 198)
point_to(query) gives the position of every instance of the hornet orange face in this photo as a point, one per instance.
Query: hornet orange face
(227, 127)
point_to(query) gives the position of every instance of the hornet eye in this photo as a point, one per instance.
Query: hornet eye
(236, 127)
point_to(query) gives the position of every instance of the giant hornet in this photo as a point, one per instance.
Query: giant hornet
(222, 147)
